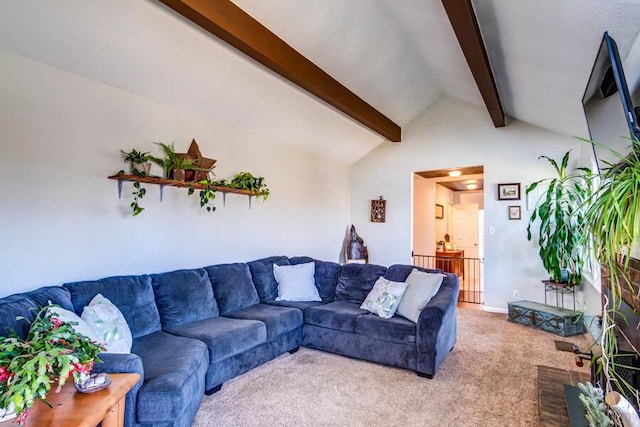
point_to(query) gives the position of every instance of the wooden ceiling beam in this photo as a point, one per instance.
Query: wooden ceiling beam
(225, 20)
(465, 25)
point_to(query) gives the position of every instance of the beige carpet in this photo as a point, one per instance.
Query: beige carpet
(489, 379)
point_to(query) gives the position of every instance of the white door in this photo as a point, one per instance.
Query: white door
(464, 228)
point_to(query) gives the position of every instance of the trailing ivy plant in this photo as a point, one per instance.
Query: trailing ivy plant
(138, 193)
(561, 212)
(207, 194)
(246, 181)
(135, 156)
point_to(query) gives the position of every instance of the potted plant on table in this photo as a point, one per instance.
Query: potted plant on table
(561, 212)
(51, 352)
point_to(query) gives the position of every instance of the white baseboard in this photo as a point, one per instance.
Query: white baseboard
(495, 310)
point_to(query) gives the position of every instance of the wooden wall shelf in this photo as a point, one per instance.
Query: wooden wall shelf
(173, 183)
(162, 182)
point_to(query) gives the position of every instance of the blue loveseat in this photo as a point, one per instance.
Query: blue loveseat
(194, 329)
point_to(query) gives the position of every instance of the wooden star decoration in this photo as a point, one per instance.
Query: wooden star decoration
(203, 165)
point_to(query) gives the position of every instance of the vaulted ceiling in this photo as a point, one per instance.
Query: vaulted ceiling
(399, 56)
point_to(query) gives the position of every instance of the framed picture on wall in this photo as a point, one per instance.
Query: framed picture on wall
(514, 212)
(439, 211)
(509, 191)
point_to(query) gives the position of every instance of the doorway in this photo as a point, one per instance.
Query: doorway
(448, 226)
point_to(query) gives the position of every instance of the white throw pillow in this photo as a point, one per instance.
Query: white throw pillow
(77, 323)
(296, 282)
(421, 288)
(108, 320)
(384, 298)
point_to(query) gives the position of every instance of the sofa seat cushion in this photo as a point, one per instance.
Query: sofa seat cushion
(232, 286)
(174, 370)
(133, 295)
(356, 281)
(278, 320)
(183, 296)
(223, 336)
(395, 329)
(339, 315)
(300, 305)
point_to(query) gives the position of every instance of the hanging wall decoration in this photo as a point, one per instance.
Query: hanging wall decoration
(378, 210)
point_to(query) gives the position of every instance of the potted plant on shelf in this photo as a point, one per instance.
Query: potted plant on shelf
(138, 161)
(51, 352)
(173, 164)
(246, 181)
(561, 212)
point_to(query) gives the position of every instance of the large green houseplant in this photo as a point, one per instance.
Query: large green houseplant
(613, 221)
(561, 214)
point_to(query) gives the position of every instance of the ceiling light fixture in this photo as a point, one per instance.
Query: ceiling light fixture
(472, 186)
(455, 173)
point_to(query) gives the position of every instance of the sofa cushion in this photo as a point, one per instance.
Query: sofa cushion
(174, 371)
(232, 287)
(223, 336)
(183, 296)
(109, 323)
(339, 315)
(384, 298)
(278, 320)
(13, 306)
(296, 282)
(263, 279)
(300, 305)
(356, 281)
(326, 275)
(400, 272)
(78, 324)
(133, 295)
(55, 294)
(421, 288)
(396, 329)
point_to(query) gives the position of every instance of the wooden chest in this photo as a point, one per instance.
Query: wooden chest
(559, 321)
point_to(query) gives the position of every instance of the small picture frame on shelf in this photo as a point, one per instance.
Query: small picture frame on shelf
(515, 212)
(439, 211)
(509, 191)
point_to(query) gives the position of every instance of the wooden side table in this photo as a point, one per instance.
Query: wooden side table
(74, 409)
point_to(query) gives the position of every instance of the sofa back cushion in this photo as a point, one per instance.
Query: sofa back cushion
(54, 294)
(184, 296)
(13, 306)
(326, 276)
(400, 272)
(356, 281)
(133, 295)
(263, 278)
(232, 287)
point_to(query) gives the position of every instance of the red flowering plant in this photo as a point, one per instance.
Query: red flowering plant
(51, 352)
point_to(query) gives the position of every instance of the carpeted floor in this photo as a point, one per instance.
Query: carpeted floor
(489, 379)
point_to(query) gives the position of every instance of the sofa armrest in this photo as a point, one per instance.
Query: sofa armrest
(437, 327)
(119, 363)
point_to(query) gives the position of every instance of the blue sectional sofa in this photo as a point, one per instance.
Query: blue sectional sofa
(194, 329)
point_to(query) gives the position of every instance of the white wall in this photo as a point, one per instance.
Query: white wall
(451, 134)
(60, 217)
